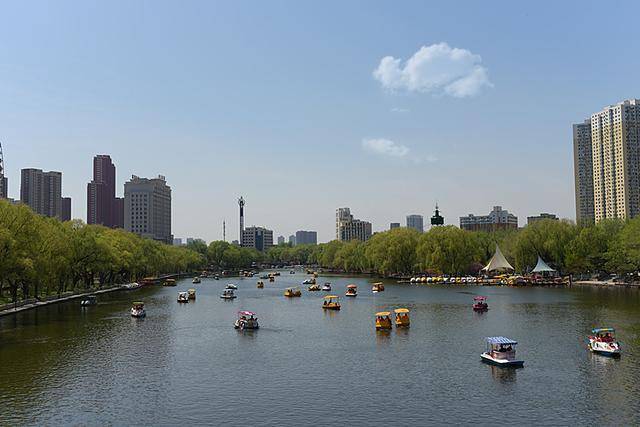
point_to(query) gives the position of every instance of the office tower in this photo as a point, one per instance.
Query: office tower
(615, 145)
(583, 172)
(306, 237)
(42, 191)
(416, 222)
(257, 237)
(102, 205)
(66, 209)
(394, 225)
(241, 206)
(292, 240)
(348, 228)
(280, 240)
(147, 208)
(498, 219)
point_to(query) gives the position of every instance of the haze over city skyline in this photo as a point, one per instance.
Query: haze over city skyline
(304, 108)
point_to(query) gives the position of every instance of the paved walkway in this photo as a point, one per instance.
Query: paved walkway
(57, 300)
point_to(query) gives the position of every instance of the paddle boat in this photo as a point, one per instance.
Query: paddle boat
(603, 341)
(314, 287)
(183, 297)
(272, 278)
(170, 282)
(137, 309)
(292, 272)
(231, 286)
(191, 293)
(315, 274)
(228, 294)
(246, 320)
(132, 286)
(326, 287)
(480, 303)
(89, 300)
(402, 318)
(352, 291)
(260, 284)
(196, 280)
(309, 282)
(331, 302)
(292, 292)
(501, 351)
(383, 320)
(377, 287)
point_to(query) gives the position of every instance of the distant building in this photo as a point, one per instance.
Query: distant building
(394, 225)
(66, 209)
(532, 219)
(583, 172)
(257, 237)
(235, 243)
(437, 219)
(280, 240)
(416, 222)
(102, 205)
(498, 219)
(177, 241)
(306, 237)
(292, 240)
(615, 148)
(348, 228)
(42, 191)
(147, 208)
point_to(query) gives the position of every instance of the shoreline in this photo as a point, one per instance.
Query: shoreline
(31, 306)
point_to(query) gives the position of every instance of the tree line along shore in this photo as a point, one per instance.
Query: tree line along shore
(42, 256)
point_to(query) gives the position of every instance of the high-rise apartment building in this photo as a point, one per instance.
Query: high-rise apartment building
(416, 222)
(306, 237)
(394, 225)
(280, 240)
(292, 240)
(615, 145)
(348, 228)
(147, 208)
(498, 219)
(257, 237)
(42, 191)
(102, 205)
(66, 209)
(583, 172)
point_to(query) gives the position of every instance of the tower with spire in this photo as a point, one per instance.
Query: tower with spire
(437, 219)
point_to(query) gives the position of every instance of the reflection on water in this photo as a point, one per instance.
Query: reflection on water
(63, 364)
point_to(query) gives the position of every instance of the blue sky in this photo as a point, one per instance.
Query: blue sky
(280, 102)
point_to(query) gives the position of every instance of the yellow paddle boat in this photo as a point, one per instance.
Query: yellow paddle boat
(331, 302)
(260, 284)
(377, 287)
(383, 320)
(191, 294)
(292, 292)
(402, 318)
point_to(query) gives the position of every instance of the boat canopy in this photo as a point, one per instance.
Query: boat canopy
(498, 262)
(191, 290)
(378, 283)
(352, 286)
(138, 303)
(331, 297)
(383, 313)
(501, 340)
(479, 298)
(542, 266)
(246, 313)
(602, 330)
(401, 310)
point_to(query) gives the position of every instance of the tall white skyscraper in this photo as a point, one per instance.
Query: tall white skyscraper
(147, 208)
(615, 161)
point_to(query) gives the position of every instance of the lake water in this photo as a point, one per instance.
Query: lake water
(185, 364)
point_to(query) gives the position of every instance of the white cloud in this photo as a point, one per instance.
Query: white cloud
(438, 69)
(385, 147)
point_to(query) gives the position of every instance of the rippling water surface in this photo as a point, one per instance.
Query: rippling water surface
(185, 364)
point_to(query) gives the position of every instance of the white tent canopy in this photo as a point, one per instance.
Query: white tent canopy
(542, 267)
(498, 262)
